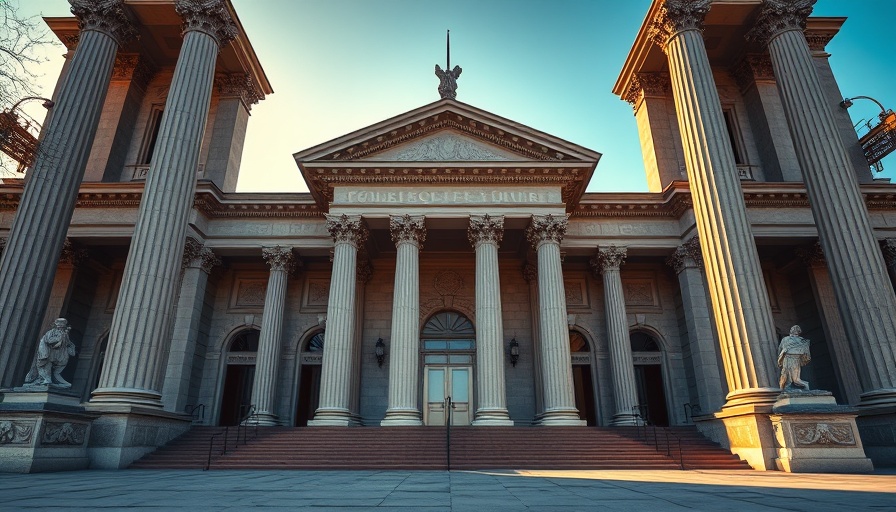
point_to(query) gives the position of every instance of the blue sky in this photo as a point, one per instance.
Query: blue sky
(339, 65)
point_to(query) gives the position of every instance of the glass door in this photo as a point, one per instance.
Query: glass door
(440, 383)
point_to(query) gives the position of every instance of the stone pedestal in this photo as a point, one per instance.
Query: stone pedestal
(124, 433)
(745, 430)
(815, 435)
(43, 430)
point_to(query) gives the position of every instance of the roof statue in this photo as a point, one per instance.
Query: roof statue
(448, 77)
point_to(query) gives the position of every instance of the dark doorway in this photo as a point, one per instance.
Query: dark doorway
(651, 394)
(581, 378)
(237, 393)
(309, 394)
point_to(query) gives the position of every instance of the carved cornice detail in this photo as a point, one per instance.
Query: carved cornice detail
(347, 229)
(686, 255)
(485, 229)
(754, 67)
(647, 84)
(676, 16)
(777, 16)
(608, 259)
(546, 229)
(199, 256)
(279, 258)
(239, 85)
(408, 229)
(106, 16)
(72, 254)
(818, 41)
(133, 67)
(208, 16)
(71, 40)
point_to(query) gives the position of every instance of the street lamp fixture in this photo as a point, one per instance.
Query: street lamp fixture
(380, 351)
(880, 140)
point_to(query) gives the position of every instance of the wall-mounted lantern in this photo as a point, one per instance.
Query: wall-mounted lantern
(514, 350)
(380, 351)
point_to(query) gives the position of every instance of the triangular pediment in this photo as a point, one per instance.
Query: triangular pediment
(445, 146)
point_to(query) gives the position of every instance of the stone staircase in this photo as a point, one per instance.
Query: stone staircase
(425, 448)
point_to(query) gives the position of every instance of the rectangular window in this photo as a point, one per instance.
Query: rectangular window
(151, 135)
(734, 136)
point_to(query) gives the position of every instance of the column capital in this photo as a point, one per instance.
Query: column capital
(812, 256)
(347, 229)
(208, 16)
(530, 272)
(364, 270)
(133, 67)
(645, 85)
(196, 255)
(778, 16)
(888, 245)
(279, 258)
(408, 229)
(485, 229)
(753, 68)
(72, 254)
(608, 259)
(676, 16)
(239, 85)
(686, 255)
(546, 229)
(106, 16)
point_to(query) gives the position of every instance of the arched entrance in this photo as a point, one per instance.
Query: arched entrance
(239, 377)
(310, 359)
(648, 361)
(448, 344)
(582, 382)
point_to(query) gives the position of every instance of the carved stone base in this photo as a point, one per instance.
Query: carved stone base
(745, 430)
(124, 433)
(815, 435)
(560, 418)
(877, 427)
(43, 430)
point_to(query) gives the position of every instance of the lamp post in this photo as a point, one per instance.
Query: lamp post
(16, 139)
(880, 140)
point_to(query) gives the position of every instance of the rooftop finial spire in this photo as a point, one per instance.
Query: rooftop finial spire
(448, 77)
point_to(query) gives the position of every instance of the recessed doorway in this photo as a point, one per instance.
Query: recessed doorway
(448, 343)
(239, 377)
(309, 379)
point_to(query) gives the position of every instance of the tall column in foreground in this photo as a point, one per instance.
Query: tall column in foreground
(607, 263)
(140, 327)
(739, 298)
(545, 233)
(408, 233)
(485, 233)
(858, 273)
(48, 201)
(349, 233)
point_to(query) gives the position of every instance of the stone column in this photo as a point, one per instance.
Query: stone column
(48, 201)
(858, 274)
(485, 234)
(363, 274)
(625, 393)
(140, 326)
(267, 362)
(197, 264)
(739, 298)
(237, 92)
(545, 233)
(349, 233)
(408, 233)
(530, 274)
(888, 246)
(687, 263)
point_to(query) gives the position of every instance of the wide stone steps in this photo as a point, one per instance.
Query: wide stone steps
(425, 448)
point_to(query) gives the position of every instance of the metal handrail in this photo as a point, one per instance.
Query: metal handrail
(211, 444)
(197, 412)
(449, 405)
(241, 426)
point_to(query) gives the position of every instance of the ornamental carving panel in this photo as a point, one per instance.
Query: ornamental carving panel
(249, 293)
(640, 293)
(445, 147)
(66, 433)
(316, 294)
(576, 294)
(825, 434)
(16, 432)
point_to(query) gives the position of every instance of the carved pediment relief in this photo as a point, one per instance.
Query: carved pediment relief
(445, 146)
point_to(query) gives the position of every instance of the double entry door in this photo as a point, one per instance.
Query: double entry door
(441, 382)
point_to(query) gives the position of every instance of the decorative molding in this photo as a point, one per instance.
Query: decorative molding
(208, 16)
(70, 41)
(408, 229)
(640, 294)
(133, 67)
(445, 146)
(546, 229)
(485, 229)
(15, 432)
(239, 85)
(753, 68)
(608, 259)
(347, 229)
(71, 254)
(647, 84)
(686, 255)
(777, 16)
(824, 434)
(248, 294)
(818, 40)
(55, 433)
(447, 282)
(676, 16)
(576, 290)
(106, 16)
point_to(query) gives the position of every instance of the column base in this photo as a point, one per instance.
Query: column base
(263, 419)
(332, 418)
(124, 433)
(402, 418)
(743, 426)
(626, 419)
(752, 396)
(877, 427)
(127, 396)
(560, 418)
(492, 417)
(885, 397)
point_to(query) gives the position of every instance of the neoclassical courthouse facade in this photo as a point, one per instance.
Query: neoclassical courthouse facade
(448, 251)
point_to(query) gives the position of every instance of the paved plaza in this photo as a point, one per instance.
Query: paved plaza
(437, 491)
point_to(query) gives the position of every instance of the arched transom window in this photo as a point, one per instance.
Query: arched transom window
(448, 337)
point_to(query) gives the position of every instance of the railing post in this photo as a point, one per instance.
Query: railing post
(448, 406)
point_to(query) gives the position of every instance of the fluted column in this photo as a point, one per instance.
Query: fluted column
(140, 327)
(530, 274)
(625, 394)
(48, 201)
(363, 275)
(687, 263)
(737, 289)
(267, 362)
(485, 234)
(408, 233)
(349, 233)
(545, 234)
(858, 273)
(888, 246)
(198, 262)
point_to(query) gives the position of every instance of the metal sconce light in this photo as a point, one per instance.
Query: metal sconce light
(380, 350)
(514, 349)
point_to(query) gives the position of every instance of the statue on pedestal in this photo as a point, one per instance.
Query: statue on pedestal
(53, 351)
(793, 354)
(448, 81)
